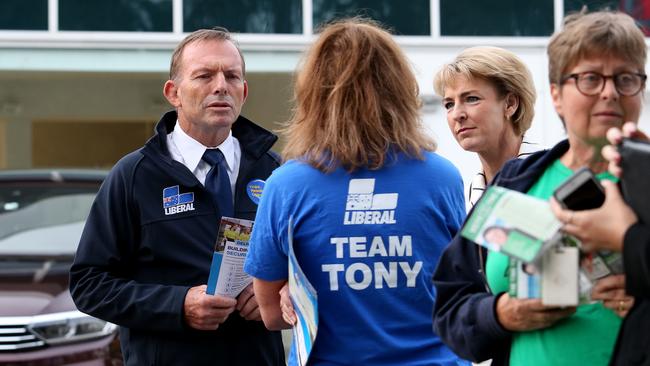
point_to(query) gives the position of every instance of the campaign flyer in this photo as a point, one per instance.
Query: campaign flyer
(227, 276)
(513, 223)
(305, 303)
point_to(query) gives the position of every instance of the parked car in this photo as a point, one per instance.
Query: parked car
(42, 214)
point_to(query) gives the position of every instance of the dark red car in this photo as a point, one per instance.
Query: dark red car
(42, 214)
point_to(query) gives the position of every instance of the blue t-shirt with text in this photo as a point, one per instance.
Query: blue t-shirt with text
(369, 243)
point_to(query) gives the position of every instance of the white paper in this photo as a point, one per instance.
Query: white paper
(513, 223)
(560, 276)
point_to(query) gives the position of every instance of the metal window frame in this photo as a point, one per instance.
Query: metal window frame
(55, 38)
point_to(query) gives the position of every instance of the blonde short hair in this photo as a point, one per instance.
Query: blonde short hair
(356, 101)
(503, 70)
(591, 35)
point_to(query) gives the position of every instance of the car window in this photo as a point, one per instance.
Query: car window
(43, 218)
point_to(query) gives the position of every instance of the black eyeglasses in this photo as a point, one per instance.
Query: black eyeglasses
(592, 83)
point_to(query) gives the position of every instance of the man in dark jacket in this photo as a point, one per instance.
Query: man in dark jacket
(145, 253)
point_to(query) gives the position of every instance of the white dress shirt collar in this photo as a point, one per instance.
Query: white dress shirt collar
(192, 151)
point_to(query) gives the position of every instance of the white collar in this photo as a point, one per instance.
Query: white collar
(192, 151)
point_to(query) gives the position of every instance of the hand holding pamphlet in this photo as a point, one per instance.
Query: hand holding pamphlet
(544, 263)
(227, 276)
(554, 279)
(528, 281)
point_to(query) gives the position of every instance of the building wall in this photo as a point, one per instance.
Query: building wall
(58, 67)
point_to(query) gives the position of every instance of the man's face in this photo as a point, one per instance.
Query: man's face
(209, 89)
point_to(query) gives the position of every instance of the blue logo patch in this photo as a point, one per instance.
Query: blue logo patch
(175, 202)
(254, 189)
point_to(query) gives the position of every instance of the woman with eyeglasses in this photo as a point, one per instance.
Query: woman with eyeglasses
(596, 72)
(615, 227)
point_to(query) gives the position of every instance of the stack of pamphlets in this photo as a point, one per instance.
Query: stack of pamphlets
(543, 262)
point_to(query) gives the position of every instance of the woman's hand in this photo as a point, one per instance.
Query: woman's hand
(611, 291)
(521, 315)
(288, 314)
(602, 228)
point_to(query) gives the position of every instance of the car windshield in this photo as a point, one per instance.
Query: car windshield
(43, 218)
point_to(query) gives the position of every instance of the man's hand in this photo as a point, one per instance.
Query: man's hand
(247, 304)
(521, 315)
(206, 312)
(611, 291)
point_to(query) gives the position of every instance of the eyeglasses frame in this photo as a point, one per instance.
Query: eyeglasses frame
(575, 77)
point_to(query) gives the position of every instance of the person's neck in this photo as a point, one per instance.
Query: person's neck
(582, 154)
(208, 137)
(493, 159)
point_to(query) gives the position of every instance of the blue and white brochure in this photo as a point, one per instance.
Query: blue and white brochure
(227, 276)
(305, 304)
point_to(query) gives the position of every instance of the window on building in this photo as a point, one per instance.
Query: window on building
(410, 18)
(496, 18)
(638, 9)
(571, 6)
(244, 16)
(116, 15)
(23, 15)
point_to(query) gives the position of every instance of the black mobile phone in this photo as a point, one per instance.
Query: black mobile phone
(581, 191)
(635, 162)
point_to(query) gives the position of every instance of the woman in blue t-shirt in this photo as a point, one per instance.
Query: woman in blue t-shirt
(372, 206)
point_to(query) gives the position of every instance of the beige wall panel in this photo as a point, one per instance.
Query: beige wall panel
(85, 144)
(3, 144)
(92, 98)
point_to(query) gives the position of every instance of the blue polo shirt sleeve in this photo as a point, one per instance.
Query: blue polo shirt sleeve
(267, 253)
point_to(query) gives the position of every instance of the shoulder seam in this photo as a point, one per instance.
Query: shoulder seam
(275, 156)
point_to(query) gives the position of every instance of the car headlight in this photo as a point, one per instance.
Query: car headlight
(68, 327)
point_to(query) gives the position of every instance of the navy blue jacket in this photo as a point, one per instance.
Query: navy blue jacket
(464, 314)
(135, 263)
